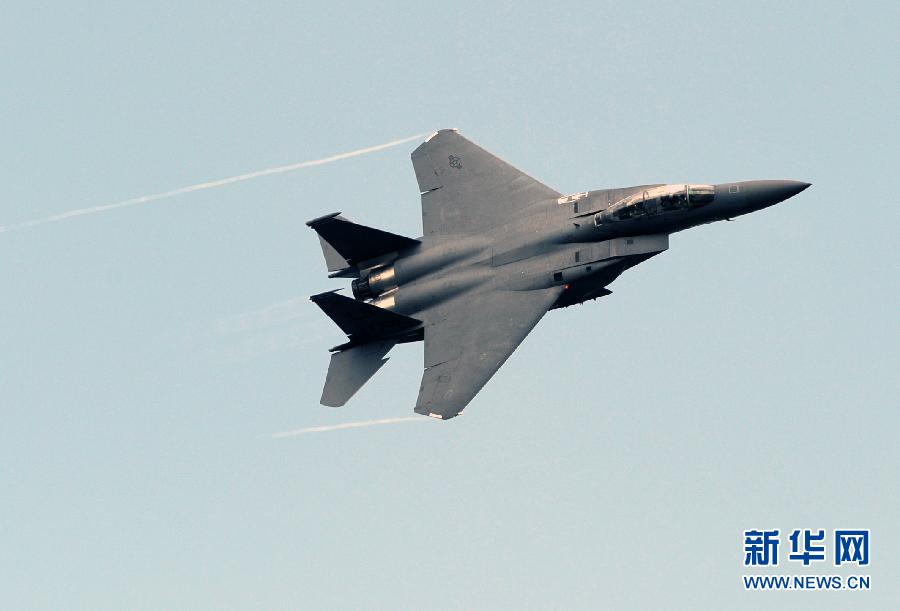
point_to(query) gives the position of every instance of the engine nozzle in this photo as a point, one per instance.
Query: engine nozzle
(375, 283)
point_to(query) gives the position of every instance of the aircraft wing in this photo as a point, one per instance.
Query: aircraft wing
(466, 189)
(467, 341)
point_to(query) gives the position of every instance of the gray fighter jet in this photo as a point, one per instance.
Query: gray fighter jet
(500, 249)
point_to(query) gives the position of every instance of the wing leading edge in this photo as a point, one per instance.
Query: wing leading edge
(466, 189)
(468, 342)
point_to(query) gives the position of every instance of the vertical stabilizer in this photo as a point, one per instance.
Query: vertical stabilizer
(345, 243)
(361, 321)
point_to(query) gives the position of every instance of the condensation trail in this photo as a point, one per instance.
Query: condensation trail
(348, 425)
(143, 199)
(274, 315)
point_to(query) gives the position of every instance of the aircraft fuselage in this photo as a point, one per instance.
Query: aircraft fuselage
(582, 242)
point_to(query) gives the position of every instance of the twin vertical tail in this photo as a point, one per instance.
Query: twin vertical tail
(371, 331)
(349, 247)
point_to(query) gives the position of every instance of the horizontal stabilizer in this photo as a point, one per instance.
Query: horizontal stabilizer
(355, 243)
(350, 369)
(333, 259)
(363, 322)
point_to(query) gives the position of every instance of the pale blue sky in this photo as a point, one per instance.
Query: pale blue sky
(745, 378)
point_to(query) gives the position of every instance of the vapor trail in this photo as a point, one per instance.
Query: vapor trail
(143, 199)
(273, 315)
(348, 425)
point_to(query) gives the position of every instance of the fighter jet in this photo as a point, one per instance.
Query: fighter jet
(499, 250)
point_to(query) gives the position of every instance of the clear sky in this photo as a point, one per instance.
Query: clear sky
(745, 378)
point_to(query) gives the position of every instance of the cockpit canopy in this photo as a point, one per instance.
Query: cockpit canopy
(657, 200)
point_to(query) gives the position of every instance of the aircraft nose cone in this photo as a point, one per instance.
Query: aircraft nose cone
(790, 188)
(765, 193)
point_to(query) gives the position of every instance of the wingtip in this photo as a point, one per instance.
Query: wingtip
(424, 411)
(442, 131)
